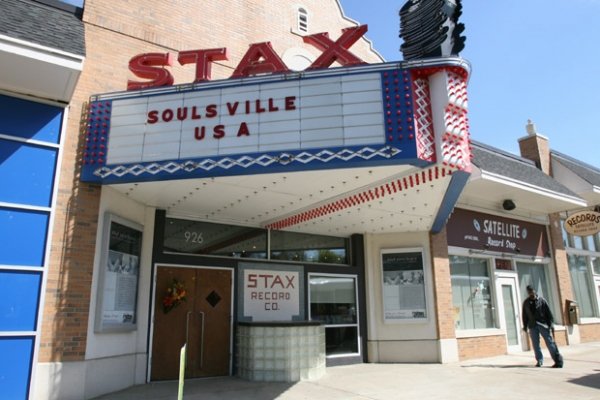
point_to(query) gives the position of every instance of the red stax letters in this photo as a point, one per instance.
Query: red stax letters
(259, 59)
(338, 50)
(203, 60)
(142, 66)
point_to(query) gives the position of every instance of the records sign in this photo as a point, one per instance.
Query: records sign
(403, 285)
(119, 273)
(583, 223)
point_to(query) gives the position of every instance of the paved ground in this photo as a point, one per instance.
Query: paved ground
(504, 377)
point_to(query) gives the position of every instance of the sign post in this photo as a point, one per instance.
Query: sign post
(181, 372)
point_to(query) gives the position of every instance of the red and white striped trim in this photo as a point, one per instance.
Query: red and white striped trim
(366, 196)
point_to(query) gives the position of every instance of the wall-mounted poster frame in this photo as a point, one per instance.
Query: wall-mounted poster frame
(118, 277)
(404, 277)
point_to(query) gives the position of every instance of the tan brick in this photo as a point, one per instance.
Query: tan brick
(115, 32)
(480, 347)
(442, 285)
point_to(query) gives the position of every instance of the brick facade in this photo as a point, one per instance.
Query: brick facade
(537, 149)
(442, 285)
(563, 276)
(589, 333)
(480, 347)
(113, 34)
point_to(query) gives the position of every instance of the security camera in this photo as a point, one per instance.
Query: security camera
(509, 205)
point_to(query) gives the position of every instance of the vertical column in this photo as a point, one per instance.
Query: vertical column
(444, 309)
(563, 276)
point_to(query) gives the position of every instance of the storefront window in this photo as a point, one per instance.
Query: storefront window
(565, 235)
(596, 264)
(333, 302)
(304, 247)
(206, 238)
(589, 243)
(576, 242)
(534, 275)
(581, 281)
(471, 293)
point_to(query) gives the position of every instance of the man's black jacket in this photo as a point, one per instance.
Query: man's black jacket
(536, 310)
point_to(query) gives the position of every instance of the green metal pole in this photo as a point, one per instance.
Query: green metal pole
(181, 372)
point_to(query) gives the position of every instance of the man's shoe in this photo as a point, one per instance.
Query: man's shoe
(557, 366)
(539, 363)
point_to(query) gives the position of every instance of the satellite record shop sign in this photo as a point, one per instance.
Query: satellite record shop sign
(357, 115)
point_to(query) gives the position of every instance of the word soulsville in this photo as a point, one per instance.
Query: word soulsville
(257, 106)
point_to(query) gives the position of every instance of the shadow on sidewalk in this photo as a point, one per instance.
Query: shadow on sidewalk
(591, 380)
(498, 366)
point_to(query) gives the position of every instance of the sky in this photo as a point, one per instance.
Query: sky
(530, 59)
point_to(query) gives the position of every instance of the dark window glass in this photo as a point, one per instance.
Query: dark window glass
(304, 247)
(341, 340)
(333, 299)
(197, 237)
(333, 302)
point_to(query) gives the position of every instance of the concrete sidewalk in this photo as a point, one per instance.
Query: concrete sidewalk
(505, 377)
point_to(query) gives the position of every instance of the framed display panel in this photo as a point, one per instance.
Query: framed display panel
(403, 285)
(118, 275)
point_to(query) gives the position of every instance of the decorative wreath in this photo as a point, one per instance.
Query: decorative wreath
(175, 295)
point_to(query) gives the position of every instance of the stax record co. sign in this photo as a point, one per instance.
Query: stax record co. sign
(268, 119)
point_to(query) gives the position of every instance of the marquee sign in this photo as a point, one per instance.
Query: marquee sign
(352, 116)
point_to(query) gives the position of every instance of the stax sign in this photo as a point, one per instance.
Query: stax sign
(271, 295)
(583, 223)
(259, 59)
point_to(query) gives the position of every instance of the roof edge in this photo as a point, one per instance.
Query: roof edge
(504, 153)
(487, 175)
(575, 161)
(70, 8)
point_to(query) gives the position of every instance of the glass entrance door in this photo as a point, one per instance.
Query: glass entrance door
(510, 311)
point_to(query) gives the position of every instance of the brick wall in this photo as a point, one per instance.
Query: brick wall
(563, 276)
(481, 347)
(442, 285)
(537, 149)
(589, 333)
(116, 31)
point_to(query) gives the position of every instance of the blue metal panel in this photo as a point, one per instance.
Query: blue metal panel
(457, 184)
(15, 367)
(398, 111)
(22, 236)
(26, 173)
(30, 120)
(19, 299)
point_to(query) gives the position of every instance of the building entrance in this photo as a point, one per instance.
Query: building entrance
(511, 313)
(192, 305)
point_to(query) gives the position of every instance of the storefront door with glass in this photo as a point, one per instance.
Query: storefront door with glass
(510, 312)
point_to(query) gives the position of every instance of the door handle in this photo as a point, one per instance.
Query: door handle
(201, 340)
(187, 327)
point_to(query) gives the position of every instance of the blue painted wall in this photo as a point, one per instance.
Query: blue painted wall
(28, 161)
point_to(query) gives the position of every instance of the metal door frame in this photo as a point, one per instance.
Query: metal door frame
(153, 299)
(512, 281)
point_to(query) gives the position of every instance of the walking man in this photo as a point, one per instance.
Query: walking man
(538, 319)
